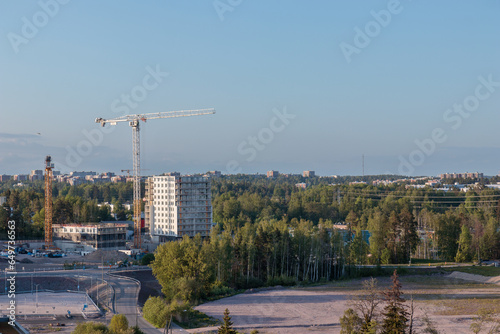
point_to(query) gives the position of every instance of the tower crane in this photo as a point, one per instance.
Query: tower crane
(129, 170)
(48, 201)
(134, 122)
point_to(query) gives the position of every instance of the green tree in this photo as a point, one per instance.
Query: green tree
(182, 268)
(367, 305)
(350, 322)
(395, 314)
(227, 325)
(90, 328)
(464, 252)
(156, 311)
(147, 259)
(119, 324)
(358, 249)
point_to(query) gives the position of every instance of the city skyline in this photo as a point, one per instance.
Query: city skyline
(413, 88)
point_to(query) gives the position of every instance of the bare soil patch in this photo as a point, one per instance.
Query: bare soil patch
(448, 302)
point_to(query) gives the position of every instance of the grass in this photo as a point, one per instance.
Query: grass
(197, 319)
(477, 270)
(452, 307)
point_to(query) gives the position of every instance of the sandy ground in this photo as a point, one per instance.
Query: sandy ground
(448, 302)
(48, 304)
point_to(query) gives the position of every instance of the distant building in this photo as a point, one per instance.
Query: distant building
(118, 179)
(215, 173)
(308, 173)
(21, 177)
(4, 177)
(273, 173)
(177, 205)
(36, 175)
(74, 181)
(81, 174)
(99, 236)
(3, 199)
(461, 176)
(301, 185)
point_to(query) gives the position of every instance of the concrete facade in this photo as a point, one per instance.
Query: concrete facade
(177, 205)
(99, 236)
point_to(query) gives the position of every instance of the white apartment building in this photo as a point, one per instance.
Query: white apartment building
(177, 205)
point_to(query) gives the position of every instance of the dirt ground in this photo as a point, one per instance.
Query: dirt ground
(449, 303)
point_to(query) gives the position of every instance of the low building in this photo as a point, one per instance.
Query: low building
(98, 236)
(301, 185)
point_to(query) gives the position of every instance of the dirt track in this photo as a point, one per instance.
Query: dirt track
(450, 304)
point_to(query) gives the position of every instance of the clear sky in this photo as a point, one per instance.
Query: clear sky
(297, 85)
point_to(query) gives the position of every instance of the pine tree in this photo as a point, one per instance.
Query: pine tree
(227, 326)
(464, 252)
(395, 314)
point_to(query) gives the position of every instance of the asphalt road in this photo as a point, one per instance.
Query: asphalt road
(126, 293)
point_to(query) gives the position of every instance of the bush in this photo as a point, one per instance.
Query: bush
(147, 259)
(281, 280)
(219, 289)
(181, 311)
(136, 330)
(91, 328)
(156, 311)
(118, 324)
(252, 283)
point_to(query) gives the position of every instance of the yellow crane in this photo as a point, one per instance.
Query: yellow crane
(48, 201)
(134, 121)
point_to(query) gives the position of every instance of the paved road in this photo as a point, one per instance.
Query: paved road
(126, 292)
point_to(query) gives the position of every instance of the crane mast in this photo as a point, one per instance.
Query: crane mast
(48, 201)
(137, 182)
(136, 153)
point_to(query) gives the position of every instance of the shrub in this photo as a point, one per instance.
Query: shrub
(91, 328)
(147, 259)
(219, 289)
(118, 324)
(281, 280)
(156, 311)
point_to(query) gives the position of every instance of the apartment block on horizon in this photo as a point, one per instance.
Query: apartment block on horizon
(461, 176)
(308, 173)
(5, 177)
(36, 175)
(273, 173)
(177, 205)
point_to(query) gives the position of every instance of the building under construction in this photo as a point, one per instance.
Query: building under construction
(97, 236)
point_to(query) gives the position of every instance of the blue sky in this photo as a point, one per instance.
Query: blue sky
(253, 60)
